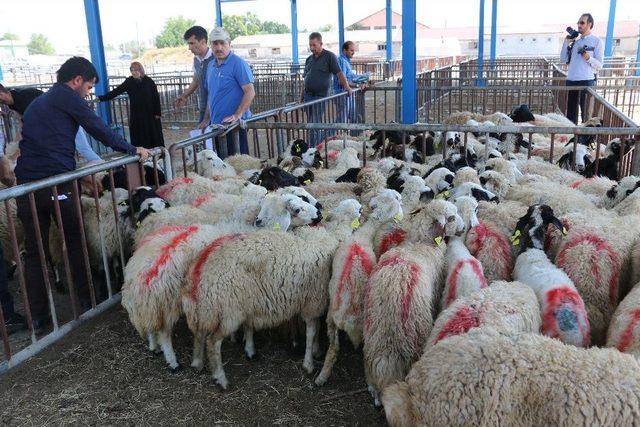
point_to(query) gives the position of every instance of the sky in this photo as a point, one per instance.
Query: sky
(63, 21)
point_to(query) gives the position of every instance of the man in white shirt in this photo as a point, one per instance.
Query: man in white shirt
(196, 38)
(585, 59)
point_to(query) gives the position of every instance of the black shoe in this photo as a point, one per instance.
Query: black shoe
(39, 325)
(14, 323)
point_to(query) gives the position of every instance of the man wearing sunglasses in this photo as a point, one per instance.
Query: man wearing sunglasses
(585, 59)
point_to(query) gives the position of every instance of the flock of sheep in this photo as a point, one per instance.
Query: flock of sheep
(484, 288)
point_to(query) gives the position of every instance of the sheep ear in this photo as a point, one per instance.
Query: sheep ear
(522, 222)
(564, 159)
(558, 224)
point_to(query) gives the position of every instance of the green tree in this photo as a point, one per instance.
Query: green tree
(39, 45)
(172, 32)
(9, 36)
(132, 47)
(271, 27)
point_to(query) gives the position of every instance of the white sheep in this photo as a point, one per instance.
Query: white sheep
(440, 180)
(464, 272)
(210, 165)
(485, 377)
(352, 265)
(623, 329)
(563, 311)
(400, 297)
(263, 280)
(505, 306)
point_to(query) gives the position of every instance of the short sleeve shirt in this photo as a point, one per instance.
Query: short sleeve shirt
(224, 86)
(318, 72)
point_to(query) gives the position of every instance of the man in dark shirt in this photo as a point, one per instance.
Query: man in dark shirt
(47, 148)
(318, 70)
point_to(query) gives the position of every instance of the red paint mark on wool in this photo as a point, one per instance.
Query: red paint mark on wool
(497, 247)
(202, 200)
(391, 240)
(196, 273)
(565, 296)
(579, 182)
(627, 336)
(392, 258)
(333, 155)
(600, 247)
(164, 190)
(166, 252)
(464, 319)
(354, 251)
(453, 279)
(162, 231)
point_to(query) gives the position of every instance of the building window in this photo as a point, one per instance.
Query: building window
(616, 42)
(382, 46)
(275, 51)
(533, 39)
(521, 39)
(473, 45)
(548, 39)
(253, 53)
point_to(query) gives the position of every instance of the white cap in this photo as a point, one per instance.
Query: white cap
(219, 33)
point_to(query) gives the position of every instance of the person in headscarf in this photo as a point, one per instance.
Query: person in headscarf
(145, 129)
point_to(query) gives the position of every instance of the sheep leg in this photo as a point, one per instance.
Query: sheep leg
(153, 343)
(198, 351)
(316, 346)
(214, 346)
(164, 338)
(312, 329)
(249, 346)
(332, 354)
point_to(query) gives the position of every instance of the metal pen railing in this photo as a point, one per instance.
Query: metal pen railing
(88, 271)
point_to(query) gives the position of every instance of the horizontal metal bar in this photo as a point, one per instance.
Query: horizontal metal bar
(578, 130)
(51, 338)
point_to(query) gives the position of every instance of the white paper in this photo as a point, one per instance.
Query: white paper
(208, 143)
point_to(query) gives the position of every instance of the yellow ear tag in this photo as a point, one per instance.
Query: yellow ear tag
(306, 182)
(438, 241)
(355, 223)
(277, 227)
(515, 242)
(321, 163)
(397, 217)
(564, 231)
(137, 224)
(446, 194)
(259, 181)
(439, 196)
(516, 234)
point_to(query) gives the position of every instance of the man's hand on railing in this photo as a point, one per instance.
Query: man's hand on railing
(181, 101)
(203, 124)
(143, 153)
(230, 119)
(349, 91)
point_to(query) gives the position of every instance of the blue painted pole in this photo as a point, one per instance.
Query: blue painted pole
(480, 79)
(218, 13)
(408, 61)
(608, 46)
(389, 45)
(637, 64)
(96, 47)
(340, 24)
(294, 32)
(494, 25)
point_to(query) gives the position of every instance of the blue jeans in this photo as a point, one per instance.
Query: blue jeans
(575, 96)
(347, 109)
(315, 114)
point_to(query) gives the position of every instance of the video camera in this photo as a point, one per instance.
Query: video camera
(584, 49)
(572, 33)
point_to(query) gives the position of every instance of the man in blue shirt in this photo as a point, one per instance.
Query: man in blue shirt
(346, 106)
(230, 89)
(585, 60)
(47, 148)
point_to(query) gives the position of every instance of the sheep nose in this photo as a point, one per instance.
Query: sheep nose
(580, 168)
(317, 219)
(258, 223)
(483, 180)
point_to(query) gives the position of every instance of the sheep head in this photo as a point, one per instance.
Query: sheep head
(495, 182)
(279, 211)
(436, 221)
(531, 228)
(467, 212)
(370, 179)
(386, 205)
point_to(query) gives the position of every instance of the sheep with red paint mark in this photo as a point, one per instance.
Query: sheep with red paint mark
(263, 280)
(244, 162)
(487, 377)
(352, 265)
(465, 274)
(154, 278)
(624, 328)
(185, 190)
(563, 312)
(506, 306)
(400, 297)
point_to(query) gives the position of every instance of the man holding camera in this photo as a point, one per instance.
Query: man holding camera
(584, 53)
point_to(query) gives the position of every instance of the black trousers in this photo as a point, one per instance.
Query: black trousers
(6, 300)
(36, 288)
(576, 97)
